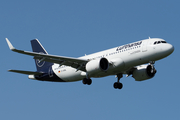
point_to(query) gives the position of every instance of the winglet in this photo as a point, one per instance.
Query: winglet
(10, 45)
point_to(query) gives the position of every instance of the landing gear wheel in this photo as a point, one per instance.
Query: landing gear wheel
(115, 85)
(118, 85)
(84, 81)
(87, 81)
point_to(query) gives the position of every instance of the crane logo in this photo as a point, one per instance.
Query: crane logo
(39, 63)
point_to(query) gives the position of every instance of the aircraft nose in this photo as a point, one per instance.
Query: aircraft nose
(169, 48)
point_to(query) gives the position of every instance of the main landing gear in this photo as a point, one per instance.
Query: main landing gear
(118, 85)
(87, 81)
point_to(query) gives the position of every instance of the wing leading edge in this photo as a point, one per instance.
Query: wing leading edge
(76, 63)
(26, 72)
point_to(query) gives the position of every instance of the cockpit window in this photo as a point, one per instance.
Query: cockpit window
(163, 41)
(158, 42)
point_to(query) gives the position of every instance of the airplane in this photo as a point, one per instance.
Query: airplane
(136, 59)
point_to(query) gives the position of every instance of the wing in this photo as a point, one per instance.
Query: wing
(76, 63)
(25, 72)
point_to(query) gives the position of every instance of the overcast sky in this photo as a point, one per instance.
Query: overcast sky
(76, 27)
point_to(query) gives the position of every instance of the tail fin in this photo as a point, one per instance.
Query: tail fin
(42, 66)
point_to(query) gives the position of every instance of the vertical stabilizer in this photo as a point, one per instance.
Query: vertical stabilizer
(42, 66)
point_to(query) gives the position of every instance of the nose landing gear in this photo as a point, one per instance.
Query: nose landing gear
(118, 85)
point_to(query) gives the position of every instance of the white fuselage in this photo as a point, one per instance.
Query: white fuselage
(121, 59)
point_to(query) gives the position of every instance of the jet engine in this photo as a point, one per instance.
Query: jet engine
(97, 65)
(144, 72)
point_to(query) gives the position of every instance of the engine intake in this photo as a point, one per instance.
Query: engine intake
(97, 65)
(144, 72)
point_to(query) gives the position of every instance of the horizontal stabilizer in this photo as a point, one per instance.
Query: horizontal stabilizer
(25, 72)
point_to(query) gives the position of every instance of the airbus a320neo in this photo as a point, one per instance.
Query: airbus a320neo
(136, 59)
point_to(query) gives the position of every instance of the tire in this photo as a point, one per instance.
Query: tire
(89, 81)
(118, 85)
(84, 81)
(115, 85)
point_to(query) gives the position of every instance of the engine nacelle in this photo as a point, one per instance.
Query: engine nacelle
(144, 72)
(98, 65)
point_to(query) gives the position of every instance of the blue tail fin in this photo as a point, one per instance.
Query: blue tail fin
(42, 66)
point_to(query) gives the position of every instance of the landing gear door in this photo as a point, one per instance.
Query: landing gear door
(144, 45)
